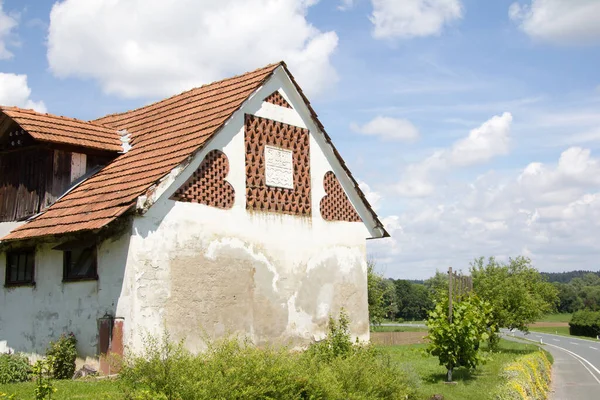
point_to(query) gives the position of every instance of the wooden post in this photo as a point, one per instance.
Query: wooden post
(450, 294)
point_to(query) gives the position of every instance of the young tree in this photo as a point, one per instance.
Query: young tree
(437, 285)
(517, 292)
(455, 341)
(376, 293)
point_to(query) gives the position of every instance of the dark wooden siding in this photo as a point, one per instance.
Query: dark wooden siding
(30, 180)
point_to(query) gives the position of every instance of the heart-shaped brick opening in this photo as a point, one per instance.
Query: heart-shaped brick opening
(207, 185)
(336, 206)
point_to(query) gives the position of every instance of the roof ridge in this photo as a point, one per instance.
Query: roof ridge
(280, 63)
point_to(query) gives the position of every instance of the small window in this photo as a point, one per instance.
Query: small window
(20, 267)
(80, 264)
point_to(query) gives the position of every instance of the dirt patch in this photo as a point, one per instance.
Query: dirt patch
(548, 324)
(397, 338)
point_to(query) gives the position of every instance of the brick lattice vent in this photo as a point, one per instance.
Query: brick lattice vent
(335, 206)
(277, 99)
(208, 185)
(260, 132)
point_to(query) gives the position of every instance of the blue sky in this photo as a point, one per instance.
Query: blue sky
(473, 125)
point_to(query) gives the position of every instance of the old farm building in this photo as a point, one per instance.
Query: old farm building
(225, 209)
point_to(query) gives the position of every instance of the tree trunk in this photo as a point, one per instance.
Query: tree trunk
(449, 375)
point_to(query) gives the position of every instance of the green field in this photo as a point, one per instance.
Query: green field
(556, 318)
(561, 330)
(478, 385)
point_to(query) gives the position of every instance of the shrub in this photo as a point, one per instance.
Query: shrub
(235, 369)
(585, 323)
(14, 368)
(62, 355)
(527, 378)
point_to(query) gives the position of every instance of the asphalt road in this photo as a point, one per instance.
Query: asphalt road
(576, 370)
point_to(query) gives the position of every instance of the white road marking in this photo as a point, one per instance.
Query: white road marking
(581, 360)
(593, 348)
(576, 344)
(556, 340)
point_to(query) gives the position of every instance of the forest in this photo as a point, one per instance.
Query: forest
(405, 300)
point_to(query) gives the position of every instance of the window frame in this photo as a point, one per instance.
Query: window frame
(27, 252)
(68, 253)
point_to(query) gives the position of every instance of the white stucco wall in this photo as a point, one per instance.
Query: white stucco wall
(31, 316)
(203, 271)
(274, 277)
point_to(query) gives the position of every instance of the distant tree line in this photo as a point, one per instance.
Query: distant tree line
(398, 299)
(566, 277)
(581, 292)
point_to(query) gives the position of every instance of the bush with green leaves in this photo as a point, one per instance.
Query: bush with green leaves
(14, 368)
(585, 323)
(62, 354)
(456, 342)
(235, 369)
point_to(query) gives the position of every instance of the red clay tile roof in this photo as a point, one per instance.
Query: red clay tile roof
(164, 134)
(62, 130)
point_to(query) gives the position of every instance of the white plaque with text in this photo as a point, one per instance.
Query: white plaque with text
(279, 167)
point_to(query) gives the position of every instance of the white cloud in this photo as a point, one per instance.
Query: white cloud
(8, 22)
(559, 21)
(551, 211)
(155, 48)
(372, 196)
(14, 91)
(388, 129)
(490, 140)
(413, 18)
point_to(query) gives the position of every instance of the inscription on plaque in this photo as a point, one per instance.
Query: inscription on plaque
(279, 168)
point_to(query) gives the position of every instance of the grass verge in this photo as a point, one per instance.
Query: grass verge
(470, 385)
(68, 389)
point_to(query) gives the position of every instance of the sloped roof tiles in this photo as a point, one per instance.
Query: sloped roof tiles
(164, 135)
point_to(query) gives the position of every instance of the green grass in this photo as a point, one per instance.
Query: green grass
(556, 318)
(478, 385)
(67, 390)
(560, 330)
(398, 329)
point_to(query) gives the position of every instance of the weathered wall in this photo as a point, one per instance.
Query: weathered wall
(31, 316)
(201, 270)
(274, 277)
